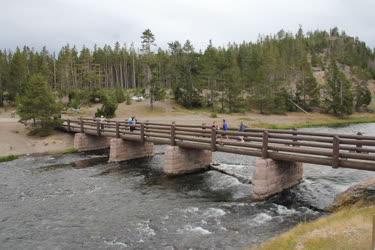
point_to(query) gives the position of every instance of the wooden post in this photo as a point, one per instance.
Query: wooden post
(81, 124)
(213, 139)
(359, 145)
(203, 126)
(68, 123)
(142, 132)
(173, 134)
(117, 129)
(265, 144)
(373, 232)
(98, 128)
(295, 135)
(336, 152)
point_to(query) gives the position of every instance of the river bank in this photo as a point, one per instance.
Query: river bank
(348, 227)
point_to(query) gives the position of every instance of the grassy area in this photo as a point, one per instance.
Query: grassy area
(318, 123)
(350, 228)
(70, 151)
(8, 158)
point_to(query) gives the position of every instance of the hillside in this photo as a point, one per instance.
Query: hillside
(326, 71)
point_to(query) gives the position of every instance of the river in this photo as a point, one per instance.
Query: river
(79, 201)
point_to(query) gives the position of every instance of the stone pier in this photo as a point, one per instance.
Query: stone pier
(84, 142)
(272, 177)
(184, 160)
(121, 150)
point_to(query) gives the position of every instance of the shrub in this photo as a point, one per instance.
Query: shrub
(128, 100)
(78, 97)
(140, 92)
(74, 103)
(119, 95)
(98, 95)
(108, 108)
(188, 99)
(8, 158)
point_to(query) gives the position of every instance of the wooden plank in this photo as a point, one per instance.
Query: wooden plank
(194, 139)
(300, 150)
(300, 158)
(243, 151)
(193, 145)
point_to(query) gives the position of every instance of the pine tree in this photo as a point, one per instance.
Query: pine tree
(148, 41)
(338, 96)
(307, 91)
(38, 103)
(18, 73)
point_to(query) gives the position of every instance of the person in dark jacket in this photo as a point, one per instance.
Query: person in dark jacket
(242, 129)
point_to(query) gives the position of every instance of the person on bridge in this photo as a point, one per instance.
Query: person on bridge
(102, 121)
(225, 128)
(130, 122)
(214, 125)
(242, 129)
(133, 123)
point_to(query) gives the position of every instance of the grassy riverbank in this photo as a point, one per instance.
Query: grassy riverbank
(334, 122)
(349, 228)
(8, 158)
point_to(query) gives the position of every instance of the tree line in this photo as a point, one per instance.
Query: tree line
(275, 74)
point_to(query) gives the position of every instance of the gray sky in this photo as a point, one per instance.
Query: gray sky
(55, 23)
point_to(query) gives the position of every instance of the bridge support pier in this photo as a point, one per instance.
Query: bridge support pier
(272, 177)
(185, 160)
(121, 150)
(84, 142)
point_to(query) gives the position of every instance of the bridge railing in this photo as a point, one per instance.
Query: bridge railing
(336, 150)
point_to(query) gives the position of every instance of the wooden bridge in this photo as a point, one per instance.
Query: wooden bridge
(280, 152)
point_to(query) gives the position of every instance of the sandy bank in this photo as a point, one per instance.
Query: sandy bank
(14, 140)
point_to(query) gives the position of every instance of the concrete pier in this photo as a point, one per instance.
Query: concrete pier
(183, 160)
(121, 150)
(84, 142)
(272, 177)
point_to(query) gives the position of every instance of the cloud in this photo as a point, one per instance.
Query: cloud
(54, 23)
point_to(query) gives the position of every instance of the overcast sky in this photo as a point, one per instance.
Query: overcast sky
(54, 23)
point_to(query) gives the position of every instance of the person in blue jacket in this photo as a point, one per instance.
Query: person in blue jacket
(225, 127)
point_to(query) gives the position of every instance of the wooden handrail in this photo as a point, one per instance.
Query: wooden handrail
(336, 150)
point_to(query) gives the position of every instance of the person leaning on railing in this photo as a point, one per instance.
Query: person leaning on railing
(242, 129)
(132, 123)
(102, 121)
(225, 128)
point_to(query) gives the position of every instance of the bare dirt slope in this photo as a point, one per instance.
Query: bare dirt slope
(14, 139)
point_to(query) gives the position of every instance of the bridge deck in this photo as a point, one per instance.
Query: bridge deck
(336, 150)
